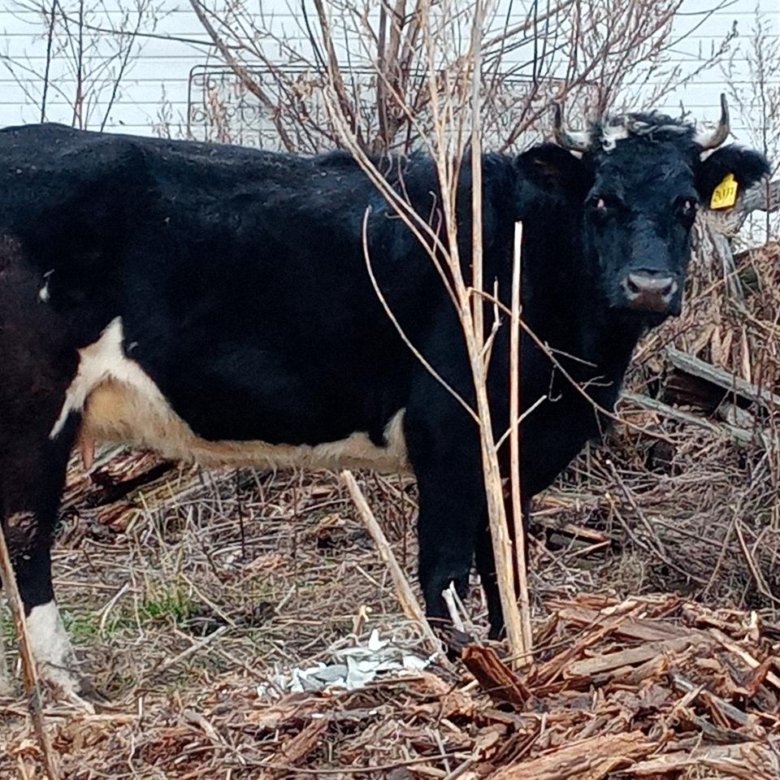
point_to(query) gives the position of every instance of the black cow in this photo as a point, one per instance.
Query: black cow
(213, 303)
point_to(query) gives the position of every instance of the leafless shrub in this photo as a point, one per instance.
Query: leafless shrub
(89, 53)
(756, 94)
(596, 55)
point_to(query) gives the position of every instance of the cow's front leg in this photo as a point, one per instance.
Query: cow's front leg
(446, 532)
(32, 473)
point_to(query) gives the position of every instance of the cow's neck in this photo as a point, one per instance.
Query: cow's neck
(608, 337)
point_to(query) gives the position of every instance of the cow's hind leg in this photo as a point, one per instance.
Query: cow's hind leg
(38, 362)
(486, 566)
(445, 459)
(32, 473)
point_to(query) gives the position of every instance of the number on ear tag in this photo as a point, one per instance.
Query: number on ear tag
(724, 196)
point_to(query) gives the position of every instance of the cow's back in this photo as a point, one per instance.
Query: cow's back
(233, 279)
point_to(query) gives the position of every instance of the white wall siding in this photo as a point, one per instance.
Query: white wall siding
(154, 91)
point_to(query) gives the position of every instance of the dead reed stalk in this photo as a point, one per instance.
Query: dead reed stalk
(526, 646)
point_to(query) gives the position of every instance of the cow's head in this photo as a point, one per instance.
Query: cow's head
(639, 180)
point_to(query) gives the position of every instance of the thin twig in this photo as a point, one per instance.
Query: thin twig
(29, 670)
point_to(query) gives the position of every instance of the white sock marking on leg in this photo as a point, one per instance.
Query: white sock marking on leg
(51, 647)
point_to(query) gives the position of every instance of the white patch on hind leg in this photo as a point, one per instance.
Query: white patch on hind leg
(51, 648)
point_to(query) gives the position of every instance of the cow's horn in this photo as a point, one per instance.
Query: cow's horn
(721, 132)
(574, 141)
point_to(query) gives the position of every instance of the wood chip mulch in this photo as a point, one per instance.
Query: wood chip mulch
(652, 687)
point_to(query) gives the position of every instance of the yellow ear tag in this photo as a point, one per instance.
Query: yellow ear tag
(724, 196)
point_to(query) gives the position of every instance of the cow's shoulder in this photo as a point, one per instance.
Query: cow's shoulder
(48, 170)
(50, 146)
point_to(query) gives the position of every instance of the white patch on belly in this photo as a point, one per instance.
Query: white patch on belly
(122, 404)
(51, 647)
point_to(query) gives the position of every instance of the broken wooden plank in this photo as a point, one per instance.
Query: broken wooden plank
(642, 629)
(725, 380)
(632, 656)
(740, 435)
(732, 646)
(749, 760)
(594, 758)
(297, 749)
(494, 676)
(726, 709)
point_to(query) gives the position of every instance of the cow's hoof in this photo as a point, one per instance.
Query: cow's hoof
(61, 684)
(70, 686)
(65, 679)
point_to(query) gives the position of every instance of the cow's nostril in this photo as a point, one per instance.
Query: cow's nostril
(631, 285)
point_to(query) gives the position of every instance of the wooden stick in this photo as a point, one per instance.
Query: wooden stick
(526, 647)
(29, 671)
(744, 655)
(406, 597)
(475, 52)
(195, 647)
(452, 607)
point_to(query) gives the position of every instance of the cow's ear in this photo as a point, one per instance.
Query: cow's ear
(745, 165)
(549, 172)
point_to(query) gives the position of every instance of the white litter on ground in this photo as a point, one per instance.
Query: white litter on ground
(350, 668)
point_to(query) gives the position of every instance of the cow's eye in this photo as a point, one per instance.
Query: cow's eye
(686, 210)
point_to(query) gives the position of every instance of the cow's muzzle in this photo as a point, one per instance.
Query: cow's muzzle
(649, 291)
